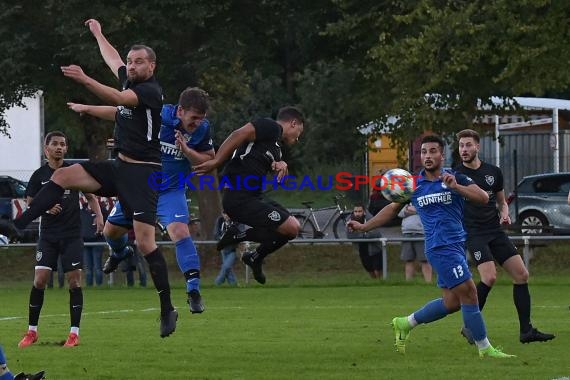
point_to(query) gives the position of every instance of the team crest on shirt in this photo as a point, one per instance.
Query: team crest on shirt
(477, 255)
(274, 216)
(490, 180)
(39, 255)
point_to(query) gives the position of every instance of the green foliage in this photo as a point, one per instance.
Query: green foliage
(345, 62)
(459, 54)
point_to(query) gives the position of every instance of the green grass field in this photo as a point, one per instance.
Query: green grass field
(291, 330)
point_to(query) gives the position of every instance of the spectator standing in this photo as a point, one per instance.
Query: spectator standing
(413, 251)
(227, 253)
(370, 253)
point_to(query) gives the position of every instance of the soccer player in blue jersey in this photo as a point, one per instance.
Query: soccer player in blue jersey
(185, 140)
(439, 199)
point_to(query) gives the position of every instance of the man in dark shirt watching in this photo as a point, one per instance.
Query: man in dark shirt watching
(486, 240)
(60, 235)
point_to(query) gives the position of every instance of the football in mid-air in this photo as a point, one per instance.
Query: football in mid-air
(4, 240)
(397, 185)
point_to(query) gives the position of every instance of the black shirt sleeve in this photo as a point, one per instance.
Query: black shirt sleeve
(34, 185)
(267, 130)
(149, 94)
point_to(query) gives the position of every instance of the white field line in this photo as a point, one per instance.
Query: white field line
(315, 307)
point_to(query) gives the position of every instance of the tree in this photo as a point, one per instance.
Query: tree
(442, 60)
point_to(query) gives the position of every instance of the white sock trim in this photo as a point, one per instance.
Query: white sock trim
(483, 344)
(412, 320)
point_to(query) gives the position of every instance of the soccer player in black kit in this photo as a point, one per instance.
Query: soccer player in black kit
(137, 124)
(486, 240)
(255, 152)
(60, 234)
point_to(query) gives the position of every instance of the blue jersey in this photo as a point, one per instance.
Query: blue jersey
(175, 165)
(441, 210)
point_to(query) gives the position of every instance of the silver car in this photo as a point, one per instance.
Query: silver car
(541, 203)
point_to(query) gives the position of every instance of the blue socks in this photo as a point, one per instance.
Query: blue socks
(432, 311)
(118, 246)
(186, 255)
(5, 374)
(2, 357)
(189, 263)
(473, 320)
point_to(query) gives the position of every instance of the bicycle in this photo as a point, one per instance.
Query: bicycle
(310, 227)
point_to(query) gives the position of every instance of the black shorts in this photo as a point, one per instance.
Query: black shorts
(489, 247)
(253, 209)
(131, 183)
(70, 249)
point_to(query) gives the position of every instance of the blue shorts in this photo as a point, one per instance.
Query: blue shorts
(450, 265)
(172, 207)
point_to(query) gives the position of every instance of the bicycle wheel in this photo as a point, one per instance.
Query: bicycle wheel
(339, 225)
(308, 229)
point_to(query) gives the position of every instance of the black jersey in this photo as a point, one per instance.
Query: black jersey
(137, 128)
(252, 160)
(483, 218)
(68, 222)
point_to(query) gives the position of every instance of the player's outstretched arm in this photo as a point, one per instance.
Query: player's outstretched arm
(102, 112)
(109, 95)
(110, 55)
(383, 217)
(234, 140)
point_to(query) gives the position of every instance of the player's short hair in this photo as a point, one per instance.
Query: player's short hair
(53, 134)
(149, 52)
(289, 113)
(434, 139)
(468, 133)
(196, 98)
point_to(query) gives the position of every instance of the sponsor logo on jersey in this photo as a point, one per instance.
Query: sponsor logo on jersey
(125, 112)
(490, 180)
(171, 150)
(444, 197)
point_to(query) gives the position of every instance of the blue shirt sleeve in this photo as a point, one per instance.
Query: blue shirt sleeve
(463, 180)
(201, 140)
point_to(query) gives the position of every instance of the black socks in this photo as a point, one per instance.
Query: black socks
(75, 306)
(35, 306)
(159, 274)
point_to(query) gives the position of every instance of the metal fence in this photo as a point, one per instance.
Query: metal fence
(530, 242)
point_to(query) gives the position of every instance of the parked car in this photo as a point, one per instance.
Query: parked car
(12, 189)
(542, 203)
